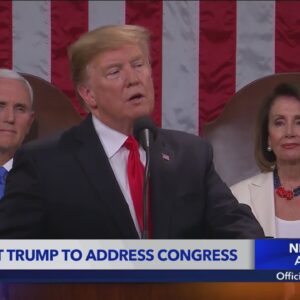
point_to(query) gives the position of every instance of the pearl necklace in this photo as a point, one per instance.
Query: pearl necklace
(281, 191)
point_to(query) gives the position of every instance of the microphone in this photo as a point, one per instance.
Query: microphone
(145, 131)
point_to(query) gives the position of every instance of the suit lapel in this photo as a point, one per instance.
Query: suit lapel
(261, 195)
(161, 171)
(97, 169)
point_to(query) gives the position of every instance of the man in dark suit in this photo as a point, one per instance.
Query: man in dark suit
(77, 184)
(16, 117)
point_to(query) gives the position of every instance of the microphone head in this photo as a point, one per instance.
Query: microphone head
(142, 125)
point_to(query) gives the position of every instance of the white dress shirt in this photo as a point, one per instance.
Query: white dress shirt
(8, 165)
(117, 154)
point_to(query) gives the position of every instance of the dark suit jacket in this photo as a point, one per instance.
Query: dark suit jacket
(64, 187)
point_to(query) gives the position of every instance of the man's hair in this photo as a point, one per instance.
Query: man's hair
(7, 73)
(102, 39)
(266, 159)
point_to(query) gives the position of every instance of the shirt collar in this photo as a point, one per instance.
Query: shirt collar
(8, 165)
(111, 139)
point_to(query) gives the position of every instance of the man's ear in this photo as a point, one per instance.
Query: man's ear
(31, 120)
(87, 94)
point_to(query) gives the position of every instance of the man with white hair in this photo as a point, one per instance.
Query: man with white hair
(16, 117)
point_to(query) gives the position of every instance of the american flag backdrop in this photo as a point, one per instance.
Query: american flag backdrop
(202, 51)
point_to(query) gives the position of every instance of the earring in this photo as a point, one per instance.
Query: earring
(269, 148)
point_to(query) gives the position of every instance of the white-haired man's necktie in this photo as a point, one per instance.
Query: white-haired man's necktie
(3, 173)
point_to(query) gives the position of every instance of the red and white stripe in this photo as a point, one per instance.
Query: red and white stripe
(202, 52)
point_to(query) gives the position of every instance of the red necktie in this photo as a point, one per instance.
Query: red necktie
(135, 173)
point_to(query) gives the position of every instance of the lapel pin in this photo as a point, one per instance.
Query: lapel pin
(165, 156)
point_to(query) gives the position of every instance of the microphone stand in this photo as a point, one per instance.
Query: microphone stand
(145, 233)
